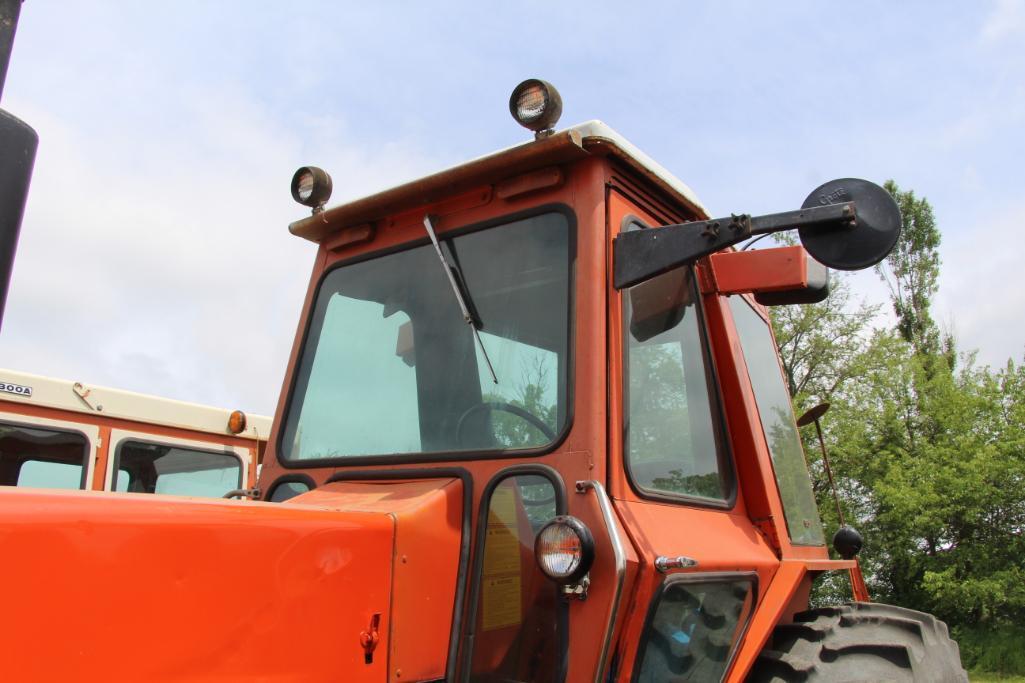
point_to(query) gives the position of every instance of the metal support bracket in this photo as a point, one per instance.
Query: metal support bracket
(666, 564)
(642, 254)
(577, 591)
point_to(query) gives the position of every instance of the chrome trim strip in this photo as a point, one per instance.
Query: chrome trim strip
(609, 517)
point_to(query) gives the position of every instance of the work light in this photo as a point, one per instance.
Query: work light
(564, 548)
(311, 186)
(537, 105)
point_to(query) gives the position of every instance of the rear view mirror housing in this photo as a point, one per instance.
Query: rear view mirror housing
(777, 277)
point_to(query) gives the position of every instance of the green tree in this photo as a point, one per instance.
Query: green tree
(820, 344)
(928, 449)
(912, 270)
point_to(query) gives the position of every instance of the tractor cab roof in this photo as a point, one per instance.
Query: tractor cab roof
(566, 146)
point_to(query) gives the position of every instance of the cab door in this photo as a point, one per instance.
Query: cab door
(672, 476)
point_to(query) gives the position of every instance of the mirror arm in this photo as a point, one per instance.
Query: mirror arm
(639, 255)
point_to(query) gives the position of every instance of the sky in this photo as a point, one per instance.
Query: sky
(155, 254)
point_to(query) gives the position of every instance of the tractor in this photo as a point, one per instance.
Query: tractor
(533, 427)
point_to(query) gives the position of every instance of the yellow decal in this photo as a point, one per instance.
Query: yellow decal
(501, 572)
(501, 602)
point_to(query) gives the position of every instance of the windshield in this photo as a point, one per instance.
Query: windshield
(391, 367)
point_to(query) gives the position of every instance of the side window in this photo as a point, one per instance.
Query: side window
(285, 490)
(692, 632)
(776, 413)
(519, 618)
(176, 470)
(672, 435)
(41, 457)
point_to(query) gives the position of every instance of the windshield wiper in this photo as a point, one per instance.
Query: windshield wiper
(455, 278)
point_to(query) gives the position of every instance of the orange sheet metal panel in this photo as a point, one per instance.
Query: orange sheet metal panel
(126, 587)
(773, 604)
(766, 270)
(428, 524)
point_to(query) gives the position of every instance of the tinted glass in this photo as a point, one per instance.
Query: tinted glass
(40, 457)
(50, 475)
(160, 468)
(390, 366)
(288, 489)
(777, 415)
(693, 631)
(517, 624)
(672, 442)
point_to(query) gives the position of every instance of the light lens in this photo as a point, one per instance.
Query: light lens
(304, 187)
(537, 105)
(237, 422)
(311, 186)
(530, 104)
(559, 550)
(564, 549)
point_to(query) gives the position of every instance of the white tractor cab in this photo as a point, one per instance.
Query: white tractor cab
(68, 435)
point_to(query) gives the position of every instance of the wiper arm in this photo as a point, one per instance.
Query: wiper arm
(455, 278)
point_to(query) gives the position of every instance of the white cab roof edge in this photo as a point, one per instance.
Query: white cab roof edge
(591, 137)
(118, 403)
(598, 130)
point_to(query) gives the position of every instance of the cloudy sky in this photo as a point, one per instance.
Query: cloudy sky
(155, 254)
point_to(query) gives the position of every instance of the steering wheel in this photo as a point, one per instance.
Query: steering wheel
(519, 412)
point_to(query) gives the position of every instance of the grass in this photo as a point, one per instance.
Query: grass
(986, 677)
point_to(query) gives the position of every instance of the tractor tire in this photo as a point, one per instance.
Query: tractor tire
(861, 641)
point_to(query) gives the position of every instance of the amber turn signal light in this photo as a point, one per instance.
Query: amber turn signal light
(237, 422)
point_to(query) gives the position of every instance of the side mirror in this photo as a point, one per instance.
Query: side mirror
(777, 277)
(847, 224)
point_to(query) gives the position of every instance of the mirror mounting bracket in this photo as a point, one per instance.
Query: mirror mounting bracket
(642, 254)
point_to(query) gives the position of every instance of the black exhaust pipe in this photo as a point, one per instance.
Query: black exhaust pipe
(18, 144)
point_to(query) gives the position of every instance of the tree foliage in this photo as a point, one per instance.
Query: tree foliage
(928, 450)
(912, 270)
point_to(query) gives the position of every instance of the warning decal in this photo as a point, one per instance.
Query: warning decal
(501, 572)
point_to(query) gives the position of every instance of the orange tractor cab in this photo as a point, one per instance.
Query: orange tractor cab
(533, 428)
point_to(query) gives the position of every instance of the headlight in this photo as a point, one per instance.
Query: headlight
(564, 549)
(311, 186)
(536, 105)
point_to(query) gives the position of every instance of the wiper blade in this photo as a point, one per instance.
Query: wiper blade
(455, 278)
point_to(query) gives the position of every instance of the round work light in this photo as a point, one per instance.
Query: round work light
(564, 548)
(311, 186)
(537, 105)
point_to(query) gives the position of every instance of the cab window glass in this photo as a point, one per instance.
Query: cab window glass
(43, 458)
(518, 621)
(288, 489)
(176, 470)
(390, 366)
(693, 631)
(777, 415)
(671, 433)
